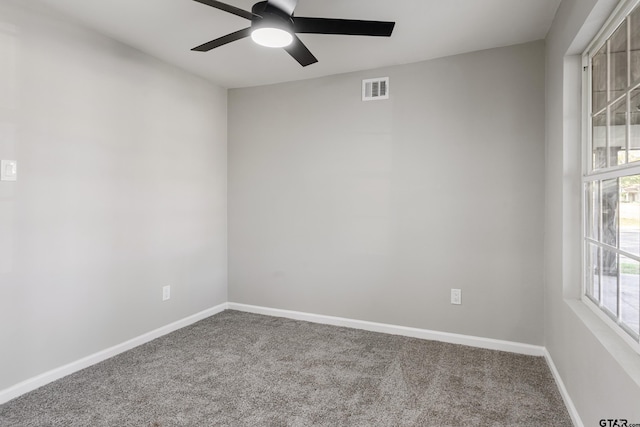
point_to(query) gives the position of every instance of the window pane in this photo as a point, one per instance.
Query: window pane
(593, 272)
(599, 141)
(634, 122)
(630, 214)
(612, 206)
(618, 132)
(610, 280)
(609, 210)
(618, 62)
(599, 79)
(592, 206)
(629, 293)
(634, 21)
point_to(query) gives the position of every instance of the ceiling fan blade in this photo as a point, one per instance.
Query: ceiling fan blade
(300, 53)
(287, 6)
(223, 40)
(351, 27)
(227, 8)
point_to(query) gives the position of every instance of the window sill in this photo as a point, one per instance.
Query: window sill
(626, 357)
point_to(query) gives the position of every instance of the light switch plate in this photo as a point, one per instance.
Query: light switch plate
(8, 170)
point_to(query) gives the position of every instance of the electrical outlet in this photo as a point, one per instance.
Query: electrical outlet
(8, 170)
(166, 293)
(456, 296)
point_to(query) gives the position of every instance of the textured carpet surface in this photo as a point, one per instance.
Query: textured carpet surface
(240, 369)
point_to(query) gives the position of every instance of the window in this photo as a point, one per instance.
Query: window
(611, 178)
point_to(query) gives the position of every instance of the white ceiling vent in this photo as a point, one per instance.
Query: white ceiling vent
(374, 89)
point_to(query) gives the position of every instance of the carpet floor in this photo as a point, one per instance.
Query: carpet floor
(241, 369)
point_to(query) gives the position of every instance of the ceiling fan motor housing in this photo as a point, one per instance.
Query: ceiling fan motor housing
(267, 16)
(273, 25)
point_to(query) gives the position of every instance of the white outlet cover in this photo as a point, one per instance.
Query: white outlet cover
(8, 170)
(456, 296)
(166, 293)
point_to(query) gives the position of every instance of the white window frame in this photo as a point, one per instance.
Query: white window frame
(589, 175)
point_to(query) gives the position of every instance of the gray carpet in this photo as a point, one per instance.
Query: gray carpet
(240, 369)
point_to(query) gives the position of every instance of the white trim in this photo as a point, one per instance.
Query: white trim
(479, 342)
(586, 148)
(612, 172)
(625, 356)
(615, 325)
(616, 19)
(573, 412)
(487, 343)
(57, 373)
(610, 248)
(619, 14)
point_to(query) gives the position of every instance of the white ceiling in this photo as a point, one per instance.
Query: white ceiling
(425, 29)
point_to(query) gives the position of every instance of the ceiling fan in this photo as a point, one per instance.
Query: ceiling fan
(274, 25)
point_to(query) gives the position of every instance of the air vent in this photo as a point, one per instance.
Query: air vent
(374, 89)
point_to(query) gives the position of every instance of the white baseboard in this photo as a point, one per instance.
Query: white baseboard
(47, 377)
(573, 412)
(487, 343)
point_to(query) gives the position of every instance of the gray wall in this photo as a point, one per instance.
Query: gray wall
(121, 190)
(375, 210)
(363, 210)
(601, 373)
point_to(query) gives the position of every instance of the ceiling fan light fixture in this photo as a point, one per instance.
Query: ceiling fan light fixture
(274, 25)
(272, 37)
